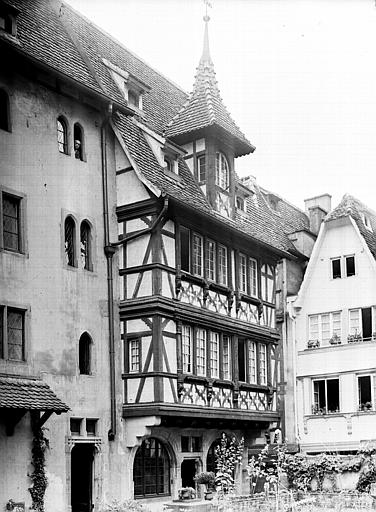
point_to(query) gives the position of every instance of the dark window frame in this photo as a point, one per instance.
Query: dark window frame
(86, 245)
(70, 249)
(157, 467)
(11, 197)
(62, 128)
(79, 135)
(5, 311)
(5, 121)
(85, 344)
(194, 329)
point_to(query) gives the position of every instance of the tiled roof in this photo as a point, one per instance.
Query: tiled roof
(349, 205)
(260, 222)
(58, 36)
(30, 394)
(205, 108)
(293, 218)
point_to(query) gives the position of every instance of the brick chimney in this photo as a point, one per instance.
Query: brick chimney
(316, 208)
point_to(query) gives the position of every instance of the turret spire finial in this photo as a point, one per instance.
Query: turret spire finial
(206, 53)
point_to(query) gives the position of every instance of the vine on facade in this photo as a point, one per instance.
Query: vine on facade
(40, 444)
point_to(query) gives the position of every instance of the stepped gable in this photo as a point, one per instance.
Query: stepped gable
(29, 394)
(350, 206)
(205, 108)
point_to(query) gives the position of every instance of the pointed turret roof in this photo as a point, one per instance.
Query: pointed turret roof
(205, 108)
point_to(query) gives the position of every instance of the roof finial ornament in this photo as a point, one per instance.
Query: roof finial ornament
(206, 53)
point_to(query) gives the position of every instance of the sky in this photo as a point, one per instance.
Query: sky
(298, 77)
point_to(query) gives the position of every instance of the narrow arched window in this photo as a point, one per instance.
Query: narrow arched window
(78, 142)
(4, 111)
(62, 135)
(84, 354)
(222, 174)
(151, 469)
(85, 242)
(69, 241)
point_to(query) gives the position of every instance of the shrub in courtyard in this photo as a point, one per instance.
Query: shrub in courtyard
(228, 455)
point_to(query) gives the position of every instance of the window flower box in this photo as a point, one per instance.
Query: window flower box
(335, 340)
(355, 338)
(313, 344)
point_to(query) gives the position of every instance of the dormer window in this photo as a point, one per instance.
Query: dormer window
(240, 203)
(8, 19)
(169, 164)
(367, 222)
(222, 173)
(131, 88)
(134, 99)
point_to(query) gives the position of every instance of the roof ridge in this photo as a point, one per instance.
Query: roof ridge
(283, 199)
(115, 40)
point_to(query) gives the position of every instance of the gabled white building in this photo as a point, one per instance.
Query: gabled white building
(335, 334)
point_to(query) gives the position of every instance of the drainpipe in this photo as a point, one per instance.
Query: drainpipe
(109, 252)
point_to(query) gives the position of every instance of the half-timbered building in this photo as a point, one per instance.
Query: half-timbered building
(198, 254)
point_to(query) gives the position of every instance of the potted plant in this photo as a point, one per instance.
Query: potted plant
(186, 493)
(206, 478)
(313, 344)
(335, 340)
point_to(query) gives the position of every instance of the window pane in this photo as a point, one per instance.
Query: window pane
(325, 327)
(226, 358)
(187, 348)
(337, 324)
(314, 327)
(263, 364)
(333, 395)
(197, 255)
(62, 137)
(91, 427)
(252, 362)
(222, 265)
(4, 103)
(134, 355)
(210, 262)
(365, 393)
(319, 396)
(214, 353)
(201, 352)
(350, 266)
(242, 359)
(69, 241)
(11, 223)
(85, 246)
(336, 268)
(184, 249)
(243, 273)
(15, 334)
(201, 168)
(221, 171)
(253, 277)
(84, 354)
(354, 315)
(366, 323)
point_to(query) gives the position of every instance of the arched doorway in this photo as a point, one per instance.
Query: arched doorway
(151, 470)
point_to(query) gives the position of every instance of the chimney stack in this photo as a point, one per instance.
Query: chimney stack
(316, 208)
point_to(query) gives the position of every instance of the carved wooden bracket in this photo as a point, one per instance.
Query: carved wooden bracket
(230, 298)
(177, 284)
(260, 309)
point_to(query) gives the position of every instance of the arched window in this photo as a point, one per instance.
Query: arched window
(222, 173)
(78, 142)
(84, 354)
(69, 241)
(85, 243)
(62, 135)
(4, 111)
(151, 469)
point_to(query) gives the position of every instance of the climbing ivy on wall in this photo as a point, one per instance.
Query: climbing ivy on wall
(38, 477)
